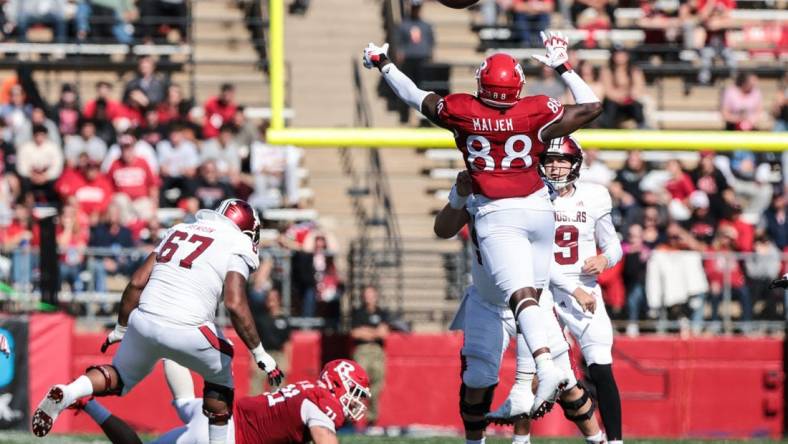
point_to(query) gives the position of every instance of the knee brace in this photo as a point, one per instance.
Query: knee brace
(104, 370)
(220, 393)
(576, 405)
(478, 409)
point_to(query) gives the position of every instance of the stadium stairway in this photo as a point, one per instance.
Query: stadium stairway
(320, 48)
(223, 53)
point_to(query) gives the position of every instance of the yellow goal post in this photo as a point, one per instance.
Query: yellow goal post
(440, 138)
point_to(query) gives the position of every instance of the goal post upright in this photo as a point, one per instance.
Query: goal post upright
(276, 62)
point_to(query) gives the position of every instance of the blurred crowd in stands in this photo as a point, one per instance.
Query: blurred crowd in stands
(99, 21)
(692, 234)
(137, 157)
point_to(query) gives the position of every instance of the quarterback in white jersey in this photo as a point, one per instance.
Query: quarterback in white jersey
(488, 325)
(167, 311)
(583, 227)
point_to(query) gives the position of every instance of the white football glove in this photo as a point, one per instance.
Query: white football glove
(266, 363)
(556, 44)
(375, 55)
(116, 335)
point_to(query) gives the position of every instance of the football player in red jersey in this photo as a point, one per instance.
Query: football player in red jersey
(307, 411)
(501, 137)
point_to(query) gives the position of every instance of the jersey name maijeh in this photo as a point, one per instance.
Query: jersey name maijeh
(576, 216)
(192, 261)
(276, 418)
(500, 146)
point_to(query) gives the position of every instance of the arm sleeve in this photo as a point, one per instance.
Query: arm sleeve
(607, 240)
(312, 416)
(404, 87)
(560, 281)
(579, 88)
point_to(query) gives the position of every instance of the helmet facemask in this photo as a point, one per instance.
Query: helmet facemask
(254, 233)
(559, 177)
(353, 399)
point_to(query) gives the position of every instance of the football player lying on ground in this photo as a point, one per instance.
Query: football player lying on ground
(500, 136)
(307, 411)
(488, 325)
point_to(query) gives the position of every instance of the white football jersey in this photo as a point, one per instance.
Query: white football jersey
(192, 261)
(576, 216)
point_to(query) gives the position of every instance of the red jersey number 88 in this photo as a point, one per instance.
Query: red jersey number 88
(516, 147)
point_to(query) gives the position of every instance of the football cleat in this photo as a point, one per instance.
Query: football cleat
(552, 381)
(516, 407)
(48, 410)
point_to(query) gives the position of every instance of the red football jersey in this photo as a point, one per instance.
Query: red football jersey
(275, 418)
(501, 146)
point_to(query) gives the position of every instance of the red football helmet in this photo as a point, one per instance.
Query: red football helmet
(349, 382)
(499, 80)
(563, 148)
(243, 216)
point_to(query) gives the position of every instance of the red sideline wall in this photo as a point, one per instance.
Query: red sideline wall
(670, 387)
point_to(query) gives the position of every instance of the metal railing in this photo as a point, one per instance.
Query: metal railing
(96, 303)
(89, 290)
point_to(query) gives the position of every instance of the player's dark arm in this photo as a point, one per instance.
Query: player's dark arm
(449, 221)
(133, 290)
(425, 102)
(322, 435)
(237, 306)
(118, 432)
(574, 118)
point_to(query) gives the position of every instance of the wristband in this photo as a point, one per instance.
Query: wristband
(563, 68)
(259, 353)
(382, 58)
(609, 260)
(455, 200)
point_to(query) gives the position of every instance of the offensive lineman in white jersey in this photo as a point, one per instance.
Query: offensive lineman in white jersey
(583, 224)
(167, 311)
(488, 326)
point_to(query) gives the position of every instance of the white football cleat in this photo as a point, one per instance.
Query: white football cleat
(516, 407)
(552, 381)
(48, 410)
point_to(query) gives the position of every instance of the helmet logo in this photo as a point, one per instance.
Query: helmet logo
(343, 369)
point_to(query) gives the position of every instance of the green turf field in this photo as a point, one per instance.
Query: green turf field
(26, 438)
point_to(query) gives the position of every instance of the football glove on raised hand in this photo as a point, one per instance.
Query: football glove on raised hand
(556, 45)
(375, 56)
(116, 335)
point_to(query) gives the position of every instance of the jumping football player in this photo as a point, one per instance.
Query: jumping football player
(307, 411)
(501, 137)
(582, 212)
(488, 325)
(167, 311)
